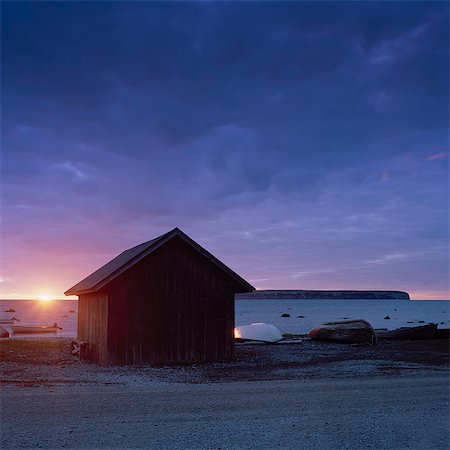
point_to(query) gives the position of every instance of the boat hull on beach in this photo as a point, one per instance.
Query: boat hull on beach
(261, 332)
(21, 329)
(427, 331)
(348, 332)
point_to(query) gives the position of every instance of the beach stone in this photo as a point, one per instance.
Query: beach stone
(301, 317)
(285, 315)
(387, 318)
(421, 321)
(410, 322)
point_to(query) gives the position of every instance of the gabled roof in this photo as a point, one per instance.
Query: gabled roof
(130, 257)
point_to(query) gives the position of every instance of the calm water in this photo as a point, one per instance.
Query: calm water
(37, 312)
(315, 312)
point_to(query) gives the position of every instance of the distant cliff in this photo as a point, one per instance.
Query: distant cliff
(334, 295)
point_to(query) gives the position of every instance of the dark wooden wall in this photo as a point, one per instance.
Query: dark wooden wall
(93, 325)
(174, 306)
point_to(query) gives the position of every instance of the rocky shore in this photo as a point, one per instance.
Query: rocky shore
(47, 362)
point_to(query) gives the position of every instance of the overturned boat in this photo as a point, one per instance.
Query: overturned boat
(421, 332)
(262, 332)
(30, 329)
(349, 332)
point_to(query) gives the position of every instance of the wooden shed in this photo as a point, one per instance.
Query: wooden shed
(165, 301)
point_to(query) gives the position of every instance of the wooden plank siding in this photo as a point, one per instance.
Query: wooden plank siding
(174, 306)
(93, 325)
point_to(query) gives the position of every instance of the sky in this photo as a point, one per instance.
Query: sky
(305, 144)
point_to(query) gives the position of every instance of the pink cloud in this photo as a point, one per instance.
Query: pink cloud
(385, 176)
(436, 156)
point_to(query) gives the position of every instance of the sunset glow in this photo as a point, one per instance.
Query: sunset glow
(276, 134)
(45, 298)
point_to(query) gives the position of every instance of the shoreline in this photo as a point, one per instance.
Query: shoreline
(304, 314)
(44, 361)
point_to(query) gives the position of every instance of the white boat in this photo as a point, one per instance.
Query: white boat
(262, 332)
(23, 329)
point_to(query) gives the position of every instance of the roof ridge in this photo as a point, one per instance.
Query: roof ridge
(123, 261)
(149, 241)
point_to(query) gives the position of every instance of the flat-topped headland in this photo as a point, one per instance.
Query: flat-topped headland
(333, 295)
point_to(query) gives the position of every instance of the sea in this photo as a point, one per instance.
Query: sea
(303, 314)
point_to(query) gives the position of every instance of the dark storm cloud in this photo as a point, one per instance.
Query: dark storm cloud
(316, 119)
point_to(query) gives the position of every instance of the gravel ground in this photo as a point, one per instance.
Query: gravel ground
(310, 395)
(376, 413)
